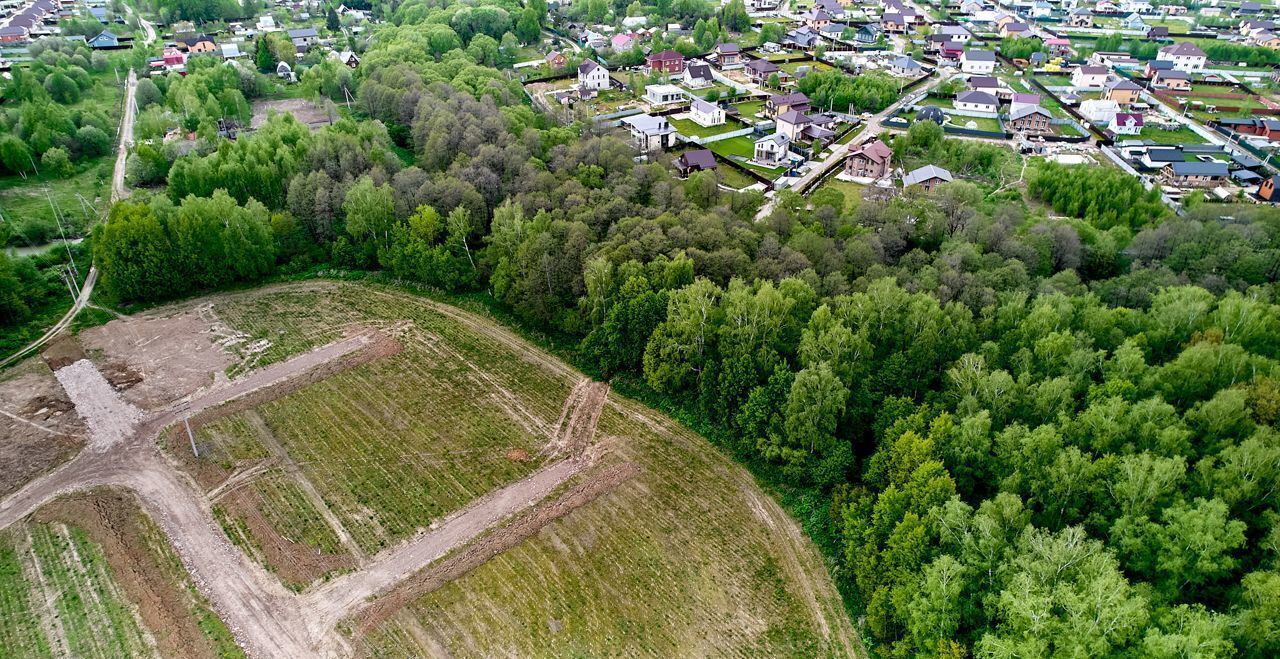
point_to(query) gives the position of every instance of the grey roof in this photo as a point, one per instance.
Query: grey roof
(726, 48)
(702, 106)
(1026, 111)
(1123, 84)
(302, 33)
(1215, 169)
(981, 98)
(794, 98)
(700, 72)
(924, 174)
(587, 66)
(1184, 48)
(979, 56)
(762, 66)
(1164, 155)
(649, 125)
(931, 113)
(905, 63)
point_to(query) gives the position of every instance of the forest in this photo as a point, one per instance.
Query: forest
(1013, 435)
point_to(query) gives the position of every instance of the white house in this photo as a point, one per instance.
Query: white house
(1091, 77)
(663, 94)
(650, 133)
(772, 151)
(977, 103)
(592, 76)
(956, 33)
(1127, 123)
(979, 62)
(706, 114)
(1099, 111)
(698, 75)
(1184, 55)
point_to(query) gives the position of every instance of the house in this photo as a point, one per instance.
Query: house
(956, 33)
(665, 62)
(893, 23)
(978, 103)
(1014, 30)
(556, 60)
(104, 39)
(1157, 33)
(1080, 17)
(304, 38)
(1249, 8)
(759, 70)
(1089, 77)
(1184, 55)
(231, 51)
(971, 7)
(1133, 22)
(1266, 40)
(1127, 123)
(728, 56)
(802, 38)
(699, 160)
(763, 5)
(1123, 92)
(1251, 27)
(650, 133)
(833, 31)
(1267, 191)
(13, 33)
(771, 151)
(664, 94)
(347, 58)
(173, 57)
(905, 66)
(1099, 111)
(1059, 46)
(1172, 80)
(1023, 100)
(698, 75)
(622, 41)
(1114, 60)
(593, 76)
(594, 39)
(782, 103)
(869, 160)
(1105, 7)
(284, 71)
(793, 124)
(869, 33)
(1028, 119)
(816, 19)
(706, 114)
(927, 177)
(1195, 174)
(198, 44)
(952, 52)
(1267, 128)
(980, 62)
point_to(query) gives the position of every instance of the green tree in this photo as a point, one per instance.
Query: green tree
(331, 19)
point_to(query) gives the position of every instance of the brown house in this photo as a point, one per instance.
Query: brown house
(1123, 92)
(556, 60)
(667, 61)
(1268, 190)
(1029, 119)
(870, 160)
(780, 104)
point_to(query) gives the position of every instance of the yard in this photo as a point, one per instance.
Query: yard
(734, 178)
(741, 149)
(689, 128)
(852, 191)
(1180, 135)
(749, 109)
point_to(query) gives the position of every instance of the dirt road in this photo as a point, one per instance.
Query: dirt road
(63, 323)
(118, 190)
(266, 619)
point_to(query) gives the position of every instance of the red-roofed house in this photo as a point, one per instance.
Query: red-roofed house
(667, 61)
(870, 160)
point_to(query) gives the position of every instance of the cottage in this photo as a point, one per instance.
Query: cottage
(771, 151)
(956, 33)
(1023, 100)
(698, 75)
(198, 44)
(869, 33)
(905, 66)
(304, 38)
(650, 133)
(1133, 22)
(1195, 174)
(284, 71)
(230, 51)
(1080, 17)
(666, 62)
(782, 103)
(817, 19)
(1029, 119)
(1123, 92)
(793, 124)
(13, 33)
(1172, 80)
(980, 62)
(978, 103)
(728, 56)
(1127, 123)
(927, 177)
(1249, 8)
(173, 57)
(622, 41)
(706, 114)
(1099, 111)
(664, 94)
(1089, 77)
(893, 23)
(1250, 27)
(104, 39)
(802, 38)
(593, 76)
(556, 60)
(759, 70)
(1014, 30)
(1266, 40)
(1157, 33)
(1059, 46)
(870, 160)
(698, 160)
(347, 58)
(1267, 191)
(1185, 56)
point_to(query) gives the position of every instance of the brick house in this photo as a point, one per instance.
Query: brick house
(870, 160)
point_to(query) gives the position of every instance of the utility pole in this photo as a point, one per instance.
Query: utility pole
(57, 217)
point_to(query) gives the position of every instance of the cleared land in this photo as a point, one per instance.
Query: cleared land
(472, 495)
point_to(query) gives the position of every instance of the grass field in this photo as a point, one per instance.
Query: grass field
(687, 558)
(91, 576)
(749, 109)
(852, 191)
(1182, 135)
(689, 128)
(734, 178)
(742, 149)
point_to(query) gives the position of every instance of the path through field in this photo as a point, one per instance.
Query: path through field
(267, 619)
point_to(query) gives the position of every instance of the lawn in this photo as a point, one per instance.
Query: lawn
(852, 191)
(741, 149)
(814, 65)
(689, 128)
(749, 109)
(734, 178)
(1181, 135)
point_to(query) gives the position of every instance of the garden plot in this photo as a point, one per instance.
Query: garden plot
(684, 558)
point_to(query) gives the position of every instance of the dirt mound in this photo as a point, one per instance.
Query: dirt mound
(112, 519)
(62, 351)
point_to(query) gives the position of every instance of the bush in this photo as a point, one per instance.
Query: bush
(55, 161)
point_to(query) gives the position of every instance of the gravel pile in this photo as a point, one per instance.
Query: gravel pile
(110, 418)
